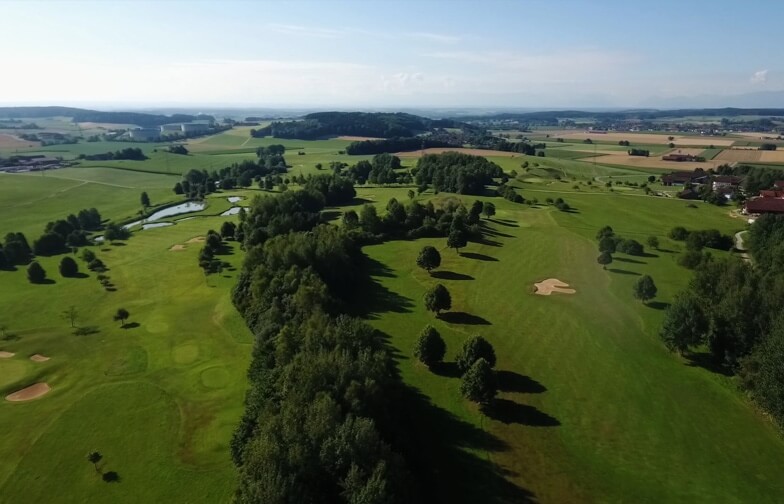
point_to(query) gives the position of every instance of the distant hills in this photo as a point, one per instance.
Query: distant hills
(86, 115)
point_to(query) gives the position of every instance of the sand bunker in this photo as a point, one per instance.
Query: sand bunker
(547, 287)
(198, 239)
(28, 393)
(6, 355)
(39, 358)
(177, 248)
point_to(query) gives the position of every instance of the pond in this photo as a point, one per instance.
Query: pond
(182, 208)
(235, 199)
(157, 225)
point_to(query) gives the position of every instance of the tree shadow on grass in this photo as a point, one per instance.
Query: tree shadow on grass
(706, 361)
(648, 254)
(488, 242)
(510, 412)
(328, 215)
(436, 445)
(446, 369)
(80, 275)
(45, 281)
(623, 272)
(371, 298)
(505, 222)
(131, 325)
(450, 275)
(9, 336)
(463, 318)
(658, 305)
(478, 257)
(666, 251)
(627, 260)
(86, 330)
(509, 381)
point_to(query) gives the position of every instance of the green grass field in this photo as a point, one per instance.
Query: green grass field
(594, 408)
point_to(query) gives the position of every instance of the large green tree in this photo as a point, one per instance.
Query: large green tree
(479, 383)
(475, 347)
(36, 273)
(428, 258)
(68, 267)
(685, 324)
(645, 289)
(456, 240)
(430, 347)
(437, 298)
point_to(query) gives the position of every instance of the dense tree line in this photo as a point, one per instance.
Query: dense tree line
(59, 236)
(382, 169)
(456, 172)
(336, 190)
(639, 152)
(397, 144)
(734, 311)
(756, 178)
(383, 125)
(129, 153)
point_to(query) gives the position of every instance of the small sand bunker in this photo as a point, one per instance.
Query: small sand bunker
(177, 248)
(198, 239)
(29, 393)
(39, 358)
(547, 287)
(6, 355)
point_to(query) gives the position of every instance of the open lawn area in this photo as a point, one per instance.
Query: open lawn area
(593, 407)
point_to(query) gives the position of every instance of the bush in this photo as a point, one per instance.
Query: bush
(430, 347)
(36, 273)
(475, 348)
(679, 233)
(68, 267)
(690, 259)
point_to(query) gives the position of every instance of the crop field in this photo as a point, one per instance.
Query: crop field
(751, 156)
(639, 138)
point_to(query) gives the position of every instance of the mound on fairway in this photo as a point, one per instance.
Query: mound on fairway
(6, 355)
(39, 358)
(547, 287)
(29, 393)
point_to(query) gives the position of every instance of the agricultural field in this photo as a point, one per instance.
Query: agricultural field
(643, 138)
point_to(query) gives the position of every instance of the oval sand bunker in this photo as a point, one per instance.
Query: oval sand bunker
(547, 287)
(6, 355)
(39, 358)
(29, 393)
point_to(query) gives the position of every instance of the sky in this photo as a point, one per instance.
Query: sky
(387, 54)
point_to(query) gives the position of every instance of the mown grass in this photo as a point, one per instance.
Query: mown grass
(158, 399)
(592, 408)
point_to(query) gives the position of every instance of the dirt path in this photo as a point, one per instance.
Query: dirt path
(740, 246)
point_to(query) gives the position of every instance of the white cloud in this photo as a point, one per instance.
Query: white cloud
(759, 77)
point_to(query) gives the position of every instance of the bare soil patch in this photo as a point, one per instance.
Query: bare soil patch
(29, 393)
(742, 155)
(473, 152)
(198, 239)
(177, 248)
(11, 141)
(547, 287)
(39, 358)
(6, 355)
(776, 156)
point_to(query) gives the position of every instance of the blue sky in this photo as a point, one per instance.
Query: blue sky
(376, 53)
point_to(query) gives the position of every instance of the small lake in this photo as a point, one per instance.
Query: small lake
(234, 199)
(231, 211)
(182, 208)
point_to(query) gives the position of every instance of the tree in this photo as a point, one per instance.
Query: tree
(479, 383)
(178, 189)
(430, 347)
(88, 255)
(228, 229)
(607, 244)
(488, 210)
(651, 179)
(71, 315)
(645, 289)
(94, 458)
(437, 299)
(121, 315)
(605, 232)
(428, 258)
(653, 242)
(213, 241)
(36, 273)
(145, 199)
(68, 267)
(350, 219)
(115, 232)
(456, 240)
(685, 323)
(604, 259)
(475, 347)
(411, 194)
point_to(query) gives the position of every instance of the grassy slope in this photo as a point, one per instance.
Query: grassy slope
(160, 399)
(594, 407)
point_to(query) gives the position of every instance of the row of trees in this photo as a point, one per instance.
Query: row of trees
(397, 144)
(129, 153)
(734, 311)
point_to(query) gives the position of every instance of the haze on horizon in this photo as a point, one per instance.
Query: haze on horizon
(392, 54)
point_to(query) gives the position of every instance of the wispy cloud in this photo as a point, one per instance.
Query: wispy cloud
(759, 77)
(434, 37)
(306, 31)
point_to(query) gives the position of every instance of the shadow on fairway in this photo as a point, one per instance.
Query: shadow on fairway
(462, 318)
(706, 361)
(372, 298)
(505, 222)
(450, 275)
(666, 251)
(623, 272)
(627, 260)
(131, 325)
(328, 215)
(436, 445)
(491, 243)
(510, 412)
(86, 330)
(478, 257)
(658, 305)
(446, 369)
(509, 381)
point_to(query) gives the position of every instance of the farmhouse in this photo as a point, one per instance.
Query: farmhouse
(726, 182)
(685, 177)
(194, 127)
(145, 134)
(171, 127)
(764, 205)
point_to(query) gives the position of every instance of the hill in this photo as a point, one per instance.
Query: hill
(98, 116)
